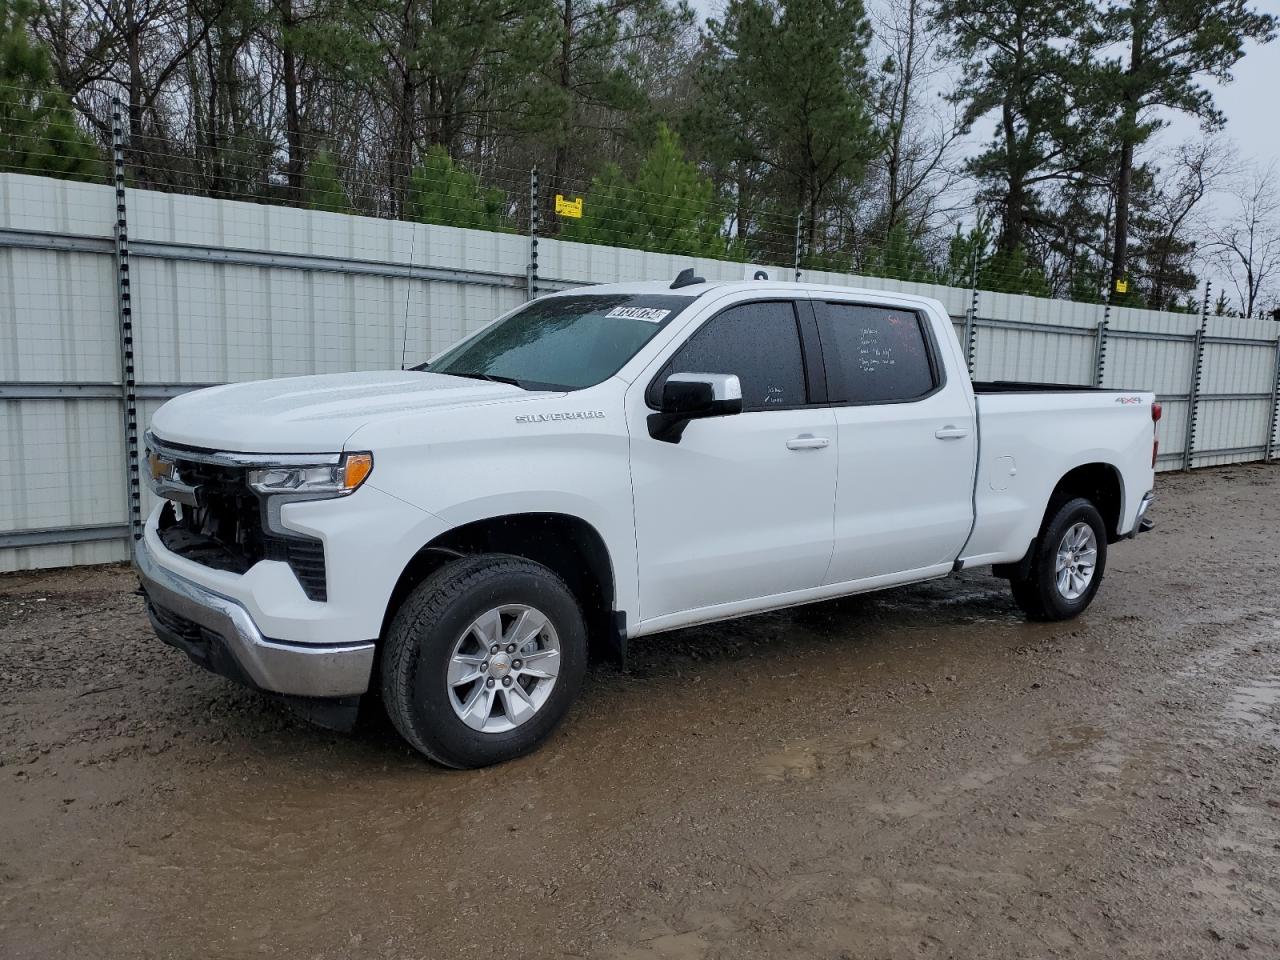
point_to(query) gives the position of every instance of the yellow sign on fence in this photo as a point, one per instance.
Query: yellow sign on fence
(569, 208)
(1122, 286)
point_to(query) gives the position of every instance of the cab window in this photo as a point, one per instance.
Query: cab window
(875, 354)
(758, 342)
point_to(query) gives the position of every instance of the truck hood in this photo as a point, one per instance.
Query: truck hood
(312, 414)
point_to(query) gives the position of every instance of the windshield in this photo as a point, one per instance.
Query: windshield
(562, 343)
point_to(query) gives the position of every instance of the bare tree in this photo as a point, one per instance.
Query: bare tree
(920, 127)
(1246, 244)
(135, 49)
(1165, 222)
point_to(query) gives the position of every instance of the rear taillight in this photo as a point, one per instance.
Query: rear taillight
(1156, 413)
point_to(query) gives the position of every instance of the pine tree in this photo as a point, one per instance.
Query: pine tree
(38, 132)
(450, 72)
(1025, 61)
(442, 192)
(789, 104)
(1013, 272)
(1162, 250)
(974, 258)
(322, 188)
(1172, 46)
(964, 252)
(314, 40)
(596, 74)
(1223, 306)
(668, 207)
(900, 256)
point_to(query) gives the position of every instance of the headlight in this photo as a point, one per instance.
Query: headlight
(160, 469)
(165, 483)
(315, 480)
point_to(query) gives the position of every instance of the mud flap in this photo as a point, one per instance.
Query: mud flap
(1019, 570)
(614, 640)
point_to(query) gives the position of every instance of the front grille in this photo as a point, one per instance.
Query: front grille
(227, 528)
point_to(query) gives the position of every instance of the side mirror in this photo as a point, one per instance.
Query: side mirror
(694, 396)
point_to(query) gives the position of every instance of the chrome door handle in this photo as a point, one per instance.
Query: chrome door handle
(951, 433)
(807, 442)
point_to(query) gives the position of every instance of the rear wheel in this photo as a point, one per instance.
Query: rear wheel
(1067, 565)
(483, 659)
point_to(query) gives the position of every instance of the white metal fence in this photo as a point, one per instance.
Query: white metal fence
(201, 291)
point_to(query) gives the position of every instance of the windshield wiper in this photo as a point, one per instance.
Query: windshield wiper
(492, 377)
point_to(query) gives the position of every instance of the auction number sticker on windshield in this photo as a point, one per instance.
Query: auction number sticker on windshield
(647, 314)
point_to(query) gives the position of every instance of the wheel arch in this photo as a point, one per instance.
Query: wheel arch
(566, 544)
(1098, 482)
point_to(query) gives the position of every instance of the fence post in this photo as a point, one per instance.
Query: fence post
(1275, 409)
(531, 275)
(124, 316)
(799, 234)
(1197, 372)
(971, 318)
(1100, 346)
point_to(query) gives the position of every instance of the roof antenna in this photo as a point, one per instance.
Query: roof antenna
(408, 289)
(686, 278)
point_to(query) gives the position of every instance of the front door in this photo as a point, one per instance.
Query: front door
(741, 507)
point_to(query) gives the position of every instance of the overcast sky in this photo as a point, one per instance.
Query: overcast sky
(1251, 103)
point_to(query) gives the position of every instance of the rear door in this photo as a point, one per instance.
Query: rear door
(741, 507)
(907, 440)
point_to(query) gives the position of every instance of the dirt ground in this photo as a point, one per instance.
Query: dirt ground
(918, 773)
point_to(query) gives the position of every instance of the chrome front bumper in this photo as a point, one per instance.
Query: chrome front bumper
(218, 634)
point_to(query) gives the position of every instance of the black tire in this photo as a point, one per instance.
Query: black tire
(1038, 594)
(420, 643)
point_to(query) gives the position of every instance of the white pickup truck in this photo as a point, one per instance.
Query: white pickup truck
(611, 462)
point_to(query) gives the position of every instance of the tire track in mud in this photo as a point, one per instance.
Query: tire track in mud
(913, 774)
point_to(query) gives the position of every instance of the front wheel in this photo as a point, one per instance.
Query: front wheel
(1067, 566)
(483, 659)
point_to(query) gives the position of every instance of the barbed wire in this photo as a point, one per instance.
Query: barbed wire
(259, 167)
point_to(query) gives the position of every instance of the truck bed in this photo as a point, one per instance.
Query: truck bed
(1019, 386)
(1032, 434)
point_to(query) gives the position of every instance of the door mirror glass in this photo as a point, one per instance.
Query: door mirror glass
(694, 396)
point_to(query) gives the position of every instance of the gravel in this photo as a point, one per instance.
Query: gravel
(918, 773)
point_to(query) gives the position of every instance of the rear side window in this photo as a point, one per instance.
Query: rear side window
(759, 343)
(874, 354)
